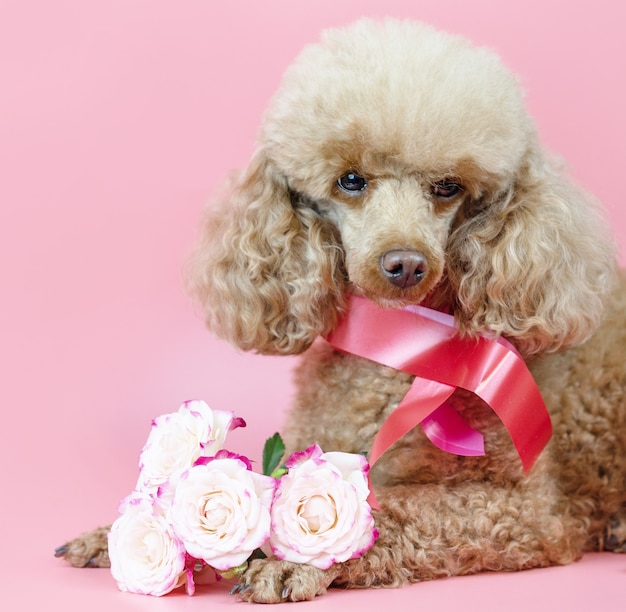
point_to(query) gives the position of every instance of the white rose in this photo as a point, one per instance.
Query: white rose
(177, 439)
(221, 510)
(320, 513)
(146, 556)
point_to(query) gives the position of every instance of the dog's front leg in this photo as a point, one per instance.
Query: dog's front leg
(431, 531)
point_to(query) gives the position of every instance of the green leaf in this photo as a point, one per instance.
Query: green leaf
(257, 553)
(273, 452)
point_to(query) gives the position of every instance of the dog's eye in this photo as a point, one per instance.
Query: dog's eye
(352, 183)
(445, 189)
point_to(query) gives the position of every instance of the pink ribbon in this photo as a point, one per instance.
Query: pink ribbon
(425, 343)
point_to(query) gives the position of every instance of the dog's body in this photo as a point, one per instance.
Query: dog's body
(398, 163)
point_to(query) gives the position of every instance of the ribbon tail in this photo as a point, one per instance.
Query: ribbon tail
(422, 399)
(513, 395)
(529, 436)
(447, 430)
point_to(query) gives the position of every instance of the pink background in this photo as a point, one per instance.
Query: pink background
(118, 118)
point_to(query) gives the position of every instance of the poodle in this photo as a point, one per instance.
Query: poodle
(397, 162)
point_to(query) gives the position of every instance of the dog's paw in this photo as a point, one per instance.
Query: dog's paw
(274, 581)
(89, 550)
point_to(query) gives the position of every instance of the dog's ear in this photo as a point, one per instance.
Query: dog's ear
(534, 263)
(267, 270)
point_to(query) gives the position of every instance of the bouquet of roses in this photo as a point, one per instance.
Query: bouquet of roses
(198, 506)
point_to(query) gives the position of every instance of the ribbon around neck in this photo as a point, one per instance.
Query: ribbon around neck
(425, 343)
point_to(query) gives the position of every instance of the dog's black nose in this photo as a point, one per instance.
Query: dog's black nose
(403, 268)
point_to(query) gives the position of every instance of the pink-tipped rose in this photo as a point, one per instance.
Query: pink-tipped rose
(221, 510)
(320, 513)
(146, 556)
(178, 439)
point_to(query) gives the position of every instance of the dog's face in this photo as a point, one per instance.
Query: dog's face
(392, 144)
(393, 224)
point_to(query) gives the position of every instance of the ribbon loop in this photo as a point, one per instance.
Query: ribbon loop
(425, 343)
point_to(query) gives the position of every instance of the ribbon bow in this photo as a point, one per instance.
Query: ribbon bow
(425, 343)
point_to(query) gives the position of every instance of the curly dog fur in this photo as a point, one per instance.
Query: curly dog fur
(393, 138)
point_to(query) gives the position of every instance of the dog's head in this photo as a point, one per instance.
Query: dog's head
(398, 162)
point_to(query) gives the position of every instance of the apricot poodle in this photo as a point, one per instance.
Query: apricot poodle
(398, 163)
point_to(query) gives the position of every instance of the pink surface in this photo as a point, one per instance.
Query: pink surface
(117, 120)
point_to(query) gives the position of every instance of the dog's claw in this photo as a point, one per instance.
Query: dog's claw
(236, 589)
(285, 592)
(60, 551)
